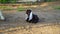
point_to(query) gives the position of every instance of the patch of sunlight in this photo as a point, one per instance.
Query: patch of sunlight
(34, 6)
(52, 29)
(44, 4)
(49, 8)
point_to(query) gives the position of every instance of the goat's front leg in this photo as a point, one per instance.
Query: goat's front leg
(1, 16)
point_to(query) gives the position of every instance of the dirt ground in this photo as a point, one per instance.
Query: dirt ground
(15, 21)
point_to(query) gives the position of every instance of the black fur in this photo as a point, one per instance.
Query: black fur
(35, 19)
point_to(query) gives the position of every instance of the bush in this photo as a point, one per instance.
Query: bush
(13, 1)
(4, 1)
(7, 1)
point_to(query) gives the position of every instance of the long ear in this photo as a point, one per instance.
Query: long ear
(27, 12)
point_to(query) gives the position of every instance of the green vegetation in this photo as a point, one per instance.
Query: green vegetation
(7, 1)
(57, 7)
(13, 1)
(4, 1)
(21, 8)
(6, 8)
